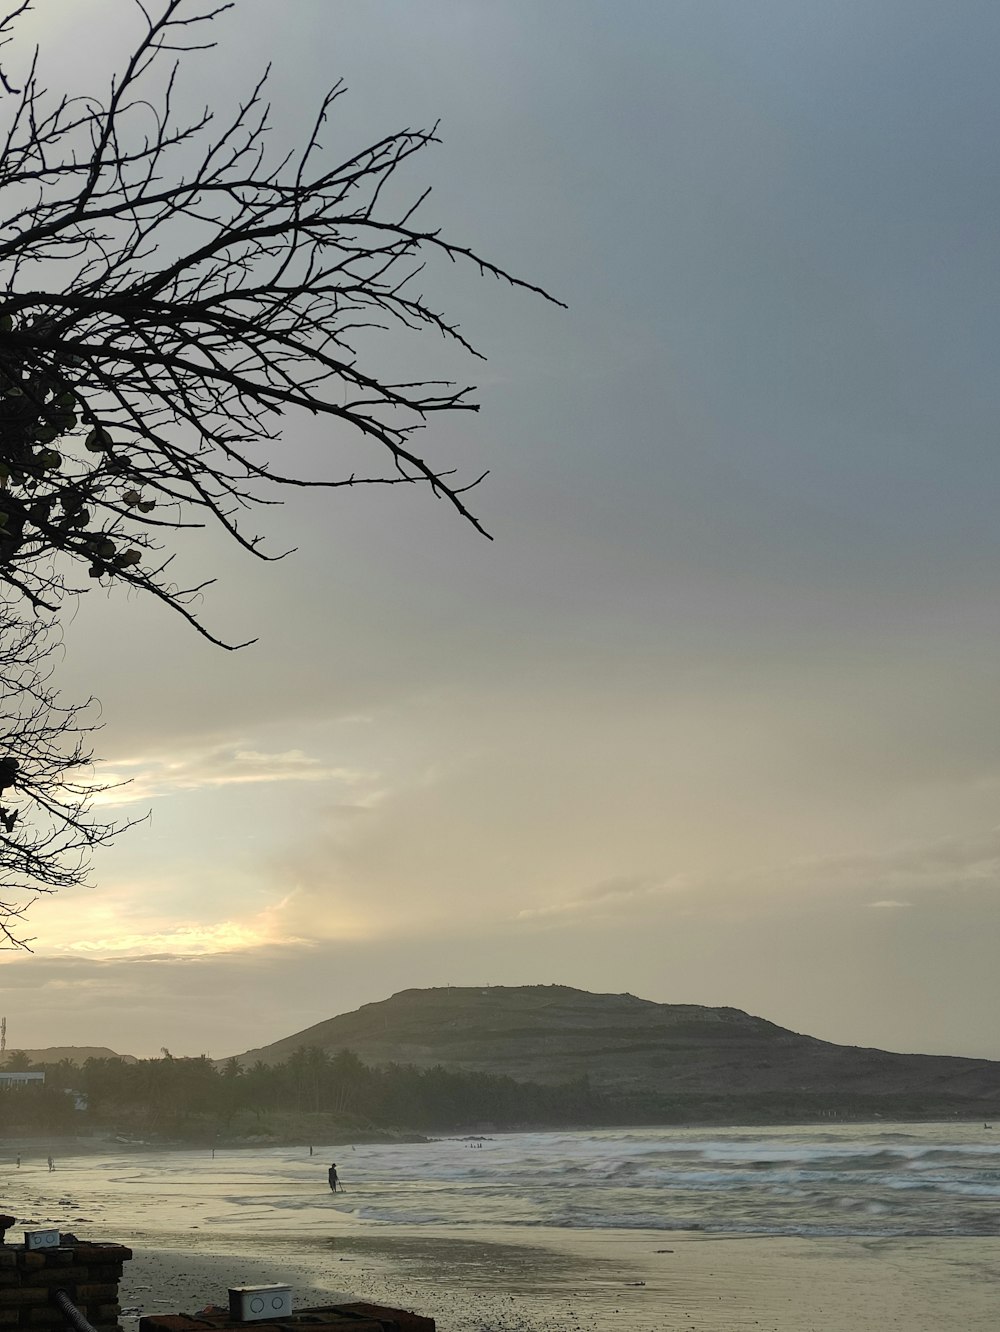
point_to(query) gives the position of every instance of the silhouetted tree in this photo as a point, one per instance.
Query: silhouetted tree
(48, 822)
(172, 295)
(16, 1061)
(195, 1098)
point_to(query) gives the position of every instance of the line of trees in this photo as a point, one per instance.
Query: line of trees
(311, 1092)
(318, 1097)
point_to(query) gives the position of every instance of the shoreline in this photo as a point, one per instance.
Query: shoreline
(69, 1145)
(197, 1226)
(590, 1281)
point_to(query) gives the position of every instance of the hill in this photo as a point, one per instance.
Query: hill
(76, 1054)
(644, 1052)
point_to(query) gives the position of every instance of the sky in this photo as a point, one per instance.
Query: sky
(714, 717)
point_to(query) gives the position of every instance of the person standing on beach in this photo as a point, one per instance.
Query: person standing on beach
(331, 1175)
(52, 1164)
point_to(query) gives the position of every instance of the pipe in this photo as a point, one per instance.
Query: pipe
(73, 1315)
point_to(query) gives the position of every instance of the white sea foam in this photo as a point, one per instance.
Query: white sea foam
(842, 1180)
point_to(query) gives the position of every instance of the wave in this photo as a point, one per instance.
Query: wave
(866, 1180)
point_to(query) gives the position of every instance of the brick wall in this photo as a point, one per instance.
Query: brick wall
(354, 1317)
(88, 1273)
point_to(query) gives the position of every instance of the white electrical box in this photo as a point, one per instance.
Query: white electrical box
(250, 1304)
(41, 1239)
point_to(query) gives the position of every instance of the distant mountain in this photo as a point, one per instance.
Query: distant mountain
(634, 1048)
(76, 1054)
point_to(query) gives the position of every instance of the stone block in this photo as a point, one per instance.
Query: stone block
(170, 1323)
(355, 1317)
(17, 1296)
(393, 1320)
(61, 1276)
(96, 1292)
(101, 1253)
(105, 1271)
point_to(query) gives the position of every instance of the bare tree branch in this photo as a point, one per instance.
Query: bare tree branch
(48, 824)
(173, 295)
(204, 297)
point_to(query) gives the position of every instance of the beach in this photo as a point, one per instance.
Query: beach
(588, 1282)
(198, 1224)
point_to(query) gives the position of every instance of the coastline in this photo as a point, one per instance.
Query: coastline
(39, 1145)
(197, 1226)
(590, 1281)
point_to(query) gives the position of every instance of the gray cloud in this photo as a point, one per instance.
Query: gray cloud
(724, 688)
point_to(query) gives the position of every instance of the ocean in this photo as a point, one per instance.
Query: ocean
(865, 1180)
(868, 1225)
(918, 1179)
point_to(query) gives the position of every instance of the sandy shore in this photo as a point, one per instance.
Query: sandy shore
(198, 1226)
(586, 1282)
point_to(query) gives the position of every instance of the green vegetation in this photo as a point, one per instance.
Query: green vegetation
(312, 1096)
(315, 1096)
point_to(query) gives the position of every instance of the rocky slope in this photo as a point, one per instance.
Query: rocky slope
(633, 1047)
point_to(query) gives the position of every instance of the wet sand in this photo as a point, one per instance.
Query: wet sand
(586, 1282)
(191, 1244)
